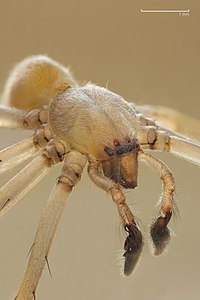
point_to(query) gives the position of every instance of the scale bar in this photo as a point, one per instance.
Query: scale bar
(165, 10)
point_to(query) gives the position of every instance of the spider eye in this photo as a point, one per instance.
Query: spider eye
(129, 148)
(109, 151)
(120, 150)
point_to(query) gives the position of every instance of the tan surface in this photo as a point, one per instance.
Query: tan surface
(147, 58)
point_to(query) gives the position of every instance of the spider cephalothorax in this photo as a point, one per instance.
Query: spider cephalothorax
(77, 125)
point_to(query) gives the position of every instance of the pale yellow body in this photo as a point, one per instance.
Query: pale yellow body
(34, 81)
(38, 80)
(90, 130)
(77, 125)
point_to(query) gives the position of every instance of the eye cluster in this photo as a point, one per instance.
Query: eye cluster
(120, 149)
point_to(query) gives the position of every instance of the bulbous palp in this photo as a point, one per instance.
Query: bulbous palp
(133, 248)
(160, 233)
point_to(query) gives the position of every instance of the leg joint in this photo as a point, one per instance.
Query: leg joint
(42, 136)
(36, 117)
(71, 174)
(158, 140)
(55, 151)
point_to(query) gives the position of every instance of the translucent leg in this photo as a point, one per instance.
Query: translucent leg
(72, 170)
(22, 182)
(15, 118)
(154, 139)
(185, 149)
(11, 117)
(172, 119)
(17, 153)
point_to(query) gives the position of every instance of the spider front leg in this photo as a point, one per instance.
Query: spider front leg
(134, 241)
(73, 166)
(171, 119)
(159, 231)
(150, 137)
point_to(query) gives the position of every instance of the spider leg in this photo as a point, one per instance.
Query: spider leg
(17, 153)
(171, 119)
(21, 151)
(30, 175)
(11, 117)
(71, 173)
(185, 149)
(134, 241)
(152, 138)
(159, 231)
(22, 182)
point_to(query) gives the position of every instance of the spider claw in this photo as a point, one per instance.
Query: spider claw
(133, 246)
(160, 233)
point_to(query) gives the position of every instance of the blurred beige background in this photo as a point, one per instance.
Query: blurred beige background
(147, 58)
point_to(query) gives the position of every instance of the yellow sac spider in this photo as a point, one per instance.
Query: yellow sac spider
(78, 125)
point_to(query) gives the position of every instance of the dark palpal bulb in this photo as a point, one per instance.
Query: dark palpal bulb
(160, 233)
(133, 248)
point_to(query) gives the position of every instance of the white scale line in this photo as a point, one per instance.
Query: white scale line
(165, 10)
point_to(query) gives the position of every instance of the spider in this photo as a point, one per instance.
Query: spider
(75, 125)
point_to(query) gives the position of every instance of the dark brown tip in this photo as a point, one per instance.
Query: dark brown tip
(133, 248)
(160, 233)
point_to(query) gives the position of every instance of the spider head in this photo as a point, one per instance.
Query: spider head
(122, 163)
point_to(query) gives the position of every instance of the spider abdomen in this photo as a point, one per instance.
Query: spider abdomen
(34, 81)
